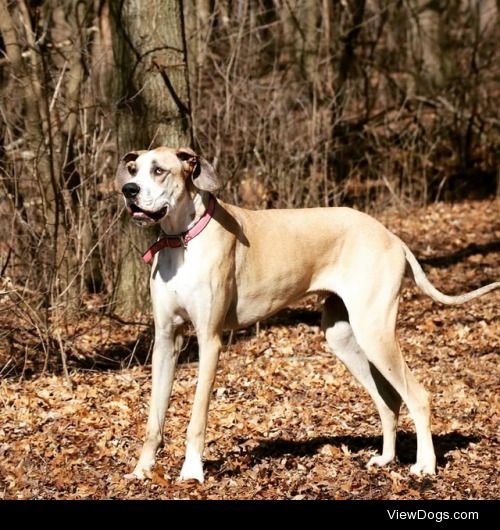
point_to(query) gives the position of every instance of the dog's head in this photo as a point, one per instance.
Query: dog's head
(154, 182)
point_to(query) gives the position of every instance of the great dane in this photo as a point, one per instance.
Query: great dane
(223, 267)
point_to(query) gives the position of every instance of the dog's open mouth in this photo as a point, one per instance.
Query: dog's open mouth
(142, 215)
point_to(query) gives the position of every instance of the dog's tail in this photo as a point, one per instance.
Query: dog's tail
(422, 281)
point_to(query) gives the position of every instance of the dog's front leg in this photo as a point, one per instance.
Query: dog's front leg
(168, 343)
(209, 355)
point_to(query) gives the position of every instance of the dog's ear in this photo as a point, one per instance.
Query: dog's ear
(123, 170)
(203, 175)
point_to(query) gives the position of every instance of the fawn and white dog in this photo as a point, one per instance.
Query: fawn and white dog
(224, 267)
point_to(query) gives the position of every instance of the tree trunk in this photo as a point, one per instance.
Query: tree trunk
(425, 46)
(348, 56)
(309, 16)
(153, 109)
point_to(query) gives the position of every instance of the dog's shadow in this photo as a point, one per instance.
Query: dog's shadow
(406, 447)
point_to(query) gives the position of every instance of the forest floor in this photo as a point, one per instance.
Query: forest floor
(287, 420)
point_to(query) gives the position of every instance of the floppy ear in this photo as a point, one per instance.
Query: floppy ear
(203, 174)
(122, 171)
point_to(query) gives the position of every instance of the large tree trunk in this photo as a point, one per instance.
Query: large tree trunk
(153, 109)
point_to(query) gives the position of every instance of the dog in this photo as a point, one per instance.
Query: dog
(223, 267)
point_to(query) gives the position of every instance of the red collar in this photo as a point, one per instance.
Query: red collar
(181, 240)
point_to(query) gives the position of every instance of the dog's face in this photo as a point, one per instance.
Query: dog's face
(154, 182)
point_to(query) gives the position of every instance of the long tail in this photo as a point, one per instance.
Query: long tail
(429, 289)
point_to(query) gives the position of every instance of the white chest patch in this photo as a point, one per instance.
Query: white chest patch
(175, 279)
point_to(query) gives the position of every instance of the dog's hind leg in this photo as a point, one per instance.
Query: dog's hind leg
(341, 340)
(373, 325)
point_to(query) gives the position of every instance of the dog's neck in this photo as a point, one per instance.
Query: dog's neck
(185, 213)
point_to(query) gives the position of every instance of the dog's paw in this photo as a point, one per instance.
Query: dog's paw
(419, 469)
(191, 474)
(139, 473)
(379, 461)
(192, 469)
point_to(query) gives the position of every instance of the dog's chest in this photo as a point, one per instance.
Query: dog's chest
(176, 278)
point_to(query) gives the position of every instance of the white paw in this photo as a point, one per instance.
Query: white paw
(192, 467)
(423, 469)
(139, 473)
(379, 460)
(142, 470)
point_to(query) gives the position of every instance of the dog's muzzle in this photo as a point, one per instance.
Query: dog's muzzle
(130, 192)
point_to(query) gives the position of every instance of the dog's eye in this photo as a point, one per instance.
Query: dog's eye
(158, 171)
(132, 169)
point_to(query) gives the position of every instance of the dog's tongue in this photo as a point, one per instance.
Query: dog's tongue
(139, 215)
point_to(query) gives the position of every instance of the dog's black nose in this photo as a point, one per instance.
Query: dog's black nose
(130, 190)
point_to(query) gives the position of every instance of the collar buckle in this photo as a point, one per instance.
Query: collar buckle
(184, 240)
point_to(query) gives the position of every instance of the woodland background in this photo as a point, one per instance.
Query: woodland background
(387, 106)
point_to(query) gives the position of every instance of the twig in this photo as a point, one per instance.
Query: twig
(62, 351)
